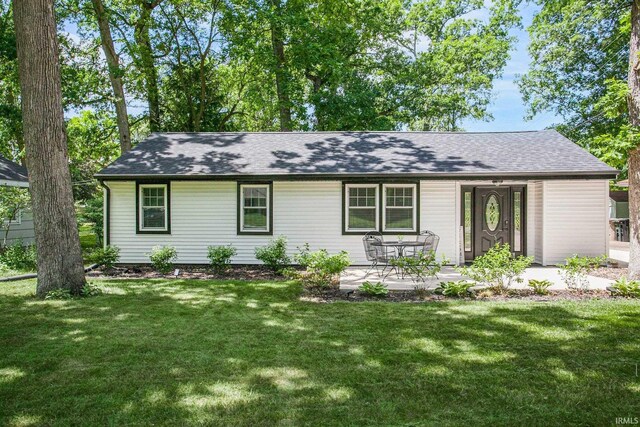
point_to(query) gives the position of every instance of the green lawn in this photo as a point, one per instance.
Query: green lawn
(234, 353)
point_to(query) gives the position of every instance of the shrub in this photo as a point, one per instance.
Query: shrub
(376, 290)
(323, 263)
(302, 258)
(274, 255)
(220, 257)
(626, 288)
(323, 269)
(90, 290)
(59, 294)
(454, 289)
(19, 257)
(291, 273)
(540, 287)
(106, 257)
(162, 258)
(498, 268)
(421, 267)
(576, 268)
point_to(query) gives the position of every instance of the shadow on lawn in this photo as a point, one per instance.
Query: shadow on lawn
(235, 354)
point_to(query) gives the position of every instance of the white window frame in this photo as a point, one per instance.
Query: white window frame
(265, 230)
(414, 208)
(347, 207)
(141, 207)
(17, 220)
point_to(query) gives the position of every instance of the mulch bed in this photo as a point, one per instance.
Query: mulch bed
(235, 272)
(333, 295)
(613, 273)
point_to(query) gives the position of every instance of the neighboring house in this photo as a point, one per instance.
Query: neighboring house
(538, 191)
(21, 228)
(619, 215)
(619, 204)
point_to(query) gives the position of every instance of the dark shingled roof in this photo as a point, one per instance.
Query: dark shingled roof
(619, 196)
(10, 171)
(320, 154)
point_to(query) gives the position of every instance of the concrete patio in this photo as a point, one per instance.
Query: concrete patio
(355, 276)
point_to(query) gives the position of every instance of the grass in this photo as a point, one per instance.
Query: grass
(238, 353)
(88, 239)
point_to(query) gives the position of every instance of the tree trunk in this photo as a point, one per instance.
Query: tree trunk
(282, 87)
(316, 82)
(57, 241)
(634, 156)
(115, 75)
(147, 63)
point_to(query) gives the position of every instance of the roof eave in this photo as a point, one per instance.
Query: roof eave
(610, 174)
(13, 183)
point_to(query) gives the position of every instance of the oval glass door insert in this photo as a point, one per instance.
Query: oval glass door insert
(492, 212)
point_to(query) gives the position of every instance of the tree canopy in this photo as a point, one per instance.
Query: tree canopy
(580, 61)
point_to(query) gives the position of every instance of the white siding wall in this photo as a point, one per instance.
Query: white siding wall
(534, 220)
(438, 213)
(204, 213)
(574, 219)
(564, 217)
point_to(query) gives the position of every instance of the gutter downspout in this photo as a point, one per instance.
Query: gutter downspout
(107, 214)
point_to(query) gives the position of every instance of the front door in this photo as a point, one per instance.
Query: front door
(492, 218)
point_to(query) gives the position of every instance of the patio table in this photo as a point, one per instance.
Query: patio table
(400, 246)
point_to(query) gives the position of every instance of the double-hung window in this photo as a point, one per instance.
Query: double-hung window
(153, 204)
(361, 207)
(399, 209)
(255, 208)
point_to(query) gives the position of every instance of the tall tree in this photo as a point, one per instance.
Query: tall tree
(57, 240)
(281, 73)
(634, 157)
(115, 74)
(146, 59)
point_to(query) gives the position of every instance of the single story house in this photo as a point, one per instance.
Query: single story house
(538, 191)
(21, 227)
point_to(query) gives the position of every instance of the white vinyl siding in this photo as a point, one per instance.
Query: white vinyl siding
(534, 221)
(575, 219)
(204, 213)
(563, 217)
(438, 213)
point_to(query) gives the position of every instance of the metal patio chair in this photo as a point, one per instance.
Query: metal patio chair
(429, 242)
(377, 255)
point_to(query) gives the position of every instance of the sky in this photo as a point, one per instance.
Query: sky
(508, 108)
